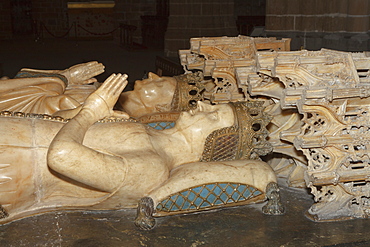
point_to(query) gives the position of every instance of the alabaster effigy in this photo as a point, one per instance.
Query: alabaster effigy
(103, 159)
(52, 92)
(237, 93)
(157, 94)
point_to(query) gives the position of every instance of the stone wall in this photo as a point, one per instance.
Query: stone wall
(197, 18)
(249, 14)
(313, 24)
(249, 7)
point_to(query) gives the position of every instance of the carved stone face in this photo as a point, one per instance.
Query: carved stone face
(206, 118)
(149, 96)
(155, 88)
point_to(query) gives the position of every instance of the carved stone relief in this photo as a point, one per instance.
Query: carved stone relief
(330, 90)
(319, 101)
(320, 109)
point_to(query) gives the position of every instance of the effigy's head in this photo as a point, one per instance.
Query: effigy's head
(205, 118)
(230, 131)
(150, 95)
(163, 94)
(245, 139)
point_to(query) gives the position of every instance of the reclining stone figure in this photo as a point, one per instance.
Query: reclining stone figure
(62, 92)
(51, 164)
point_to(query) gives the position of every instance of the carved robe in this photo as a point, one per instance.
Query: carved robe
(40, 96)
(28, 186)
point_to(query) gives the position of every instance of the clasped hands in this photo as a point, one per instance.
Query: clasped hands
(83, 73)
(100, 103)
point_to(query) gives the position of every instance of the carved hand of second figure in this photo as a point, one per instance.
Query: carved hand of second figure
(83, 73)
(100, 103)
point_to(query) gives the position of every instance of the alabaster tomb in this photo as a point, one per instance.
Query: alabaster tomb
(240, 100)
(99, 159)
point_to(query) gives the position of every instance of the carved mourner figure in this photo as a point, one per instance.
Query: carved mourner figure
(50, 164)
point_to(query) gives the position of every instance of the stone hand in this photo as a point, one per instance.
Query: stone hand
(83, 73)
(101, 102)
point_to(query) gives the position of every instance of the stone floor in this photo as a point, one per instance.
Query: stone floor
(241, 226)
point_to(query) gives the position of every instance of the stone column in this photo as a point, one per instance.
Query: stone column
(198, 18)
